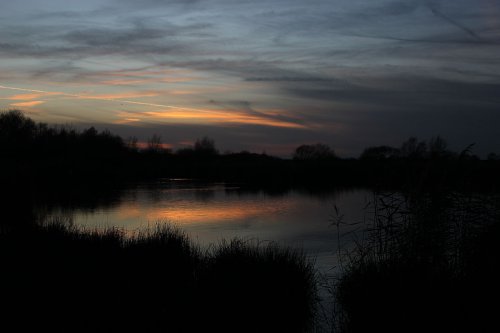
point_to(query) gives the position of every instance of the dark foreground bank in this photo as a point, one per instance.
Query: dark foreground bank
(59, 279)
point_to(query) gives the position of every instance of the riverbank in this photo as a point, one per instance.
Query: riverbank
(64, 279)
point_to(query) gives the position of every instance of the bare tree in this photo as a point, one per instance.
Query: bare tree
(154, 143)
(132, 143)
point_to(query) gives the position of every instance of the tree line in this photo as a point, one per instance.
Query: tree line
(32, 151)
(20, 135)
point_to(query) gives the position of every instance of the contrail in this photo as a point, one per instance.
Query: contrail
(99, 98)
(30, 90)
(448, 19)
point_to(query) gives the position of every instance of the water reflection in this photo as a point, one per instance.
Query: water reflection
(210, 212)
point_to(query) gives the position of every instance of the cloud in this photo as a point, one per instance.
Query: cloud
(135, 38)
(114, 38)
(404, 91)
(27, 104)
(121, 95)
(27, 97)
(289, 79)
(220, 117)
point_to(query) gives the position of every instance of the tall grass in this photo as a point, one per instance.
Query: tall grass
(426, 263)
(64, 279)
(258, 283)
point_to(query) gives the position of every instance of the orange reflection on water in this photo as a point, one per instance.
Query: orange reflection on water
(195, 212)
(202, 214)
(129, 211)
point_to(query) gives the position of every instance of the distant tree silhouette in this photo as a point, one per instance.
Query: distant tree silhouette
(493, 157)
(318, 151)
(17, 132)
(438, 148)
(35, 151)
(132, 143)
(154, 144)
(186, 151)
(466, 154)
(379, 153)
(412, 148)
(90, 132)
(205, 147)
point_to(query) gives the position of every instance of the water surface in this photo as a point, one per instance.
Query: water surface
(211, 212)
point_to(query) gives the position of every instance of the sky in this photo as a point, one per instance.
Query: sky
(260, 75)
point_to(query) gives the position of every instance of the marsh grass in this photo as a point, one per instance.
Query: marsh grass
(60, 278)
(424, 263)
(259, 283)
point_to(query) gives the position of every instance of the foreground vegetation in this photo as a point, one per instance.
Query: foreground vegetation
(60, 279)
(426, 262)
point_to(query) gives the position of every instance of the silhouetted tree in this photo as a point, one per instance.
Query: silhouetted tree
(186, 151)
(412, 148)
(132, 143)
(17, 132)
(379, 153)
(90, 132)
(205, 147)
(318, 151)
(154, 144)
(493, 157)
(438, 148)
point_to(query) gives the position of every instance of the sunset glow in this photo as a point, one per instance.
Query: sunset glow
(27, 104)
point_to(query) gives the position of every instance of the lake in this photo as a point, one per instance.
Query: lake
(210, 212)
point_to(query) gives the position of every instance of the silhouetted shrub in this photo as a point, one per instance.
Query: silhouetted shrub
(205, 147)
(266, 287)
(316, 152)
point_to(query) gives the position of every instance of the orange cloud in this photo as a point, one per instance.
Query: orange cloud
(127, 120)
(181, 92)
(175, 113)
(27, 97)
(27, 104)
(221, 117)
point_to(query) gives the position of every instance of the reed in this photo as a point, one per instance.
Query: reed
(426, 263)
